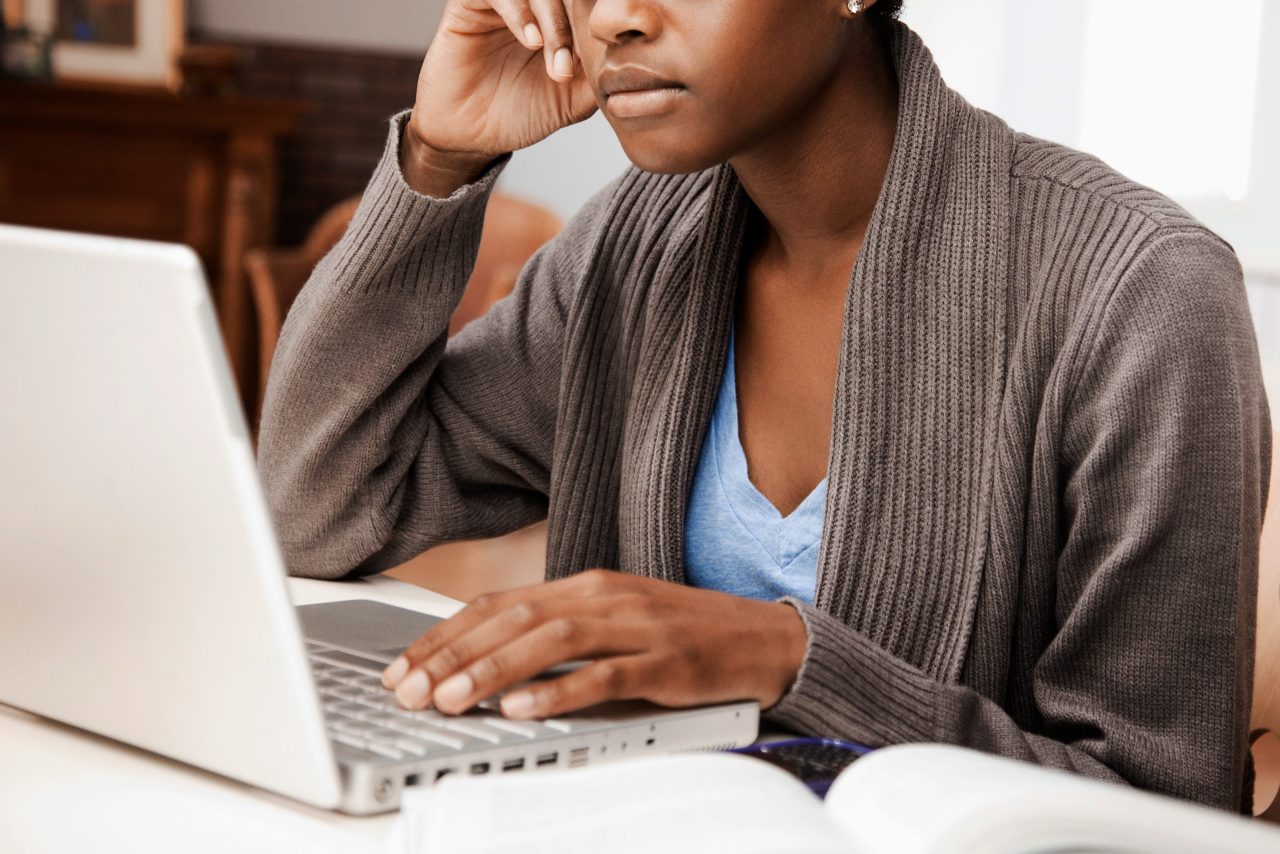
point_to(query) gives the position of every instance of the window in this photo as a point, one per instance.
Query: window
(1168, 92)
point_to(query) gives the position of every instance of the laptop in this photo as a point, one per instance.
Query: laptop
(143, 590)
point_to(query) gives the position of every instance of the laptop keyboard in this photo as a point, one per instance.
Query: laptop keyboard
(361, 714)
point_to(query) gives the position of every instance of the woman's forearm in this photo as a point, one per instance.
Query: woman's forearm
(361, 344)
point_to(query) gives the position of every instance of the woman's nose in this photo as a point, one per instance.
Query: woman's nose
(621, 21)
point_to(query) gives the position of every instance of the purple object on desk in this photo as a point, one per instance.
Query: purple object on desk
(815, 761)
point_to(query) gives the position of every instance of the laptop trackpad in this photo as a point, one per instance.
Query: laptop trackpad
(376, 629)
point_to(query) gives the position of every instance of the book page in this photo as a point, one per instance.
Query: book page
(713, 802)
(918, 798)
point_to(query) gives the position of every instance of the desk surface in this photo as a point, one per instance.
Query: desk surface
(65, 790)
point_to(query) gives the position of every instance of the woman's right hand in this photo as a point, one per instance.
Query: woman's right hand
(499, 76)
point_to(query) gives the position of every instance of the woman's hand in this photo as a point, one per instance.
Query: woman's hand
(499, 76)
(642, 638)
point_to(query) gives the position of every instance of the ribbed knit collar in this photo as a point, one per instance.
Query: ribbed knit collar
(922, 357)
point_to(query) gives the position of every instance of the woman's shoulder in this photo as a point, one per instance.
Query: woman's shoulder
(1080, 179)
(1074, 217)
(1115, 258)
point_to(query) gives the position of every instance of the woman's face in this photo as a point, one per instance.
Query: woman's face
(743, 68)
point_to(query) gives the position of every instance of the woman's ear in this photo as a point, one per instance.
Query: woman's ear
(855, 8)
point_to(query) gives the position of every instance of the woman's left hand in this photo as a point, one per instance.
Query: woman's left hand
(642, 639)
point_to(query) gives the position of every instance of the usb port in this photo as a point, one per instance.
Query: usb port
(548, 759)
(513, 764)
(578, 756)
(480, 768)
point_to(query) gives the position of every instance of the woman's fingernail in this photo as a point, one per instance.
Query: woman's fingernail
(518, 705)
(412, 692)
(563, 63)
(455, 690)
(395, 672)
(532, 35)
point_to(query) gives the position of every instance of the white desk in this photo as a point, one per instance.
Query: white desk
(64, 790)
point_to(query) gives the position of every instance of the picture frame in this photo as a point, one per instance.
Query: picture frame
(112, 41)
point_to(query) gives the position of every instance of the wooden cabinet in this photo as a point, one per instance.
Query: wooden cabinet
(150, 164)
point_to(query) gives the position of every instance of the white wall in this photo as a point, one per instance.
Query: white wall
(1154, 102)
(567, 168)
(382, 25)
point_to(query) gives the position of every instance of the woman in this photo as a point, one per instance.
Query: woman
(908, 426)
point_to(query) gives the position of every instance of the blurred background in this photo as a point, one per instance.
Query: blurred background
(236, 125)
(248, 128)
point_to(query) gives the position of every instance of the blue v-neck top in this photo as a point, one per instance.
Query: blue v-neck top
(735, 539)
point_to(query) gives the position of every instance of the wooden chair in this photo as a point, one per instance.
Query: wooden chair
(277, 275)
(1265, 721)
(513, 231)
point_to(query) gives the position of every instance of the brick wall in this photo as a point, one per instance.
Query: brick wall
(338, 141)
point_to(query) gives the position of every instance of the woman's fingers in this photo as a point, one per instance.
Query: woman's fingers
(527, 655)
(443, 634)
(482, 609)
(618, 678)
(590, 584)
(557, 35)
(520, 20)
(487, 630)
(541, 24)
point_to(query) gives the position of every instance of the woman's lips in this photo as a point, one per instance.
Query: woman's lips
(644, 103)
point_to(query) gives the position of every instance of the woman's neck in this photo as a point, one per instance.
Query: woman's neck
(816, 182)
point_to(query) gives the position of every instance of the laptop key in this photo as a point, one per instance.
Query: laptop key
(356, 729)
(443, 739)
(386, 750)
(522, 729)
(472, 730)
(347, 660)
(422, 733)
(361, 681)
(364, 746)
(559, 725)
(347, 739)
(415, 746)
(349, 709)
(381, 734)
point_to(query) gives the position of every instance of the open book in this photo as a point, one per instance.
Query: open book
(911, 798)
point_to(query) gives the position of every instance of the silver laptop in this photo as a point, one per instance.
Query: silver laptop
(142, 592)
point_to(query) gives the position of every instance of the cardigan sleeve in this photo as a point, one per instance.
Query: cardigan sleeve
(1164, 457)
(378, 439)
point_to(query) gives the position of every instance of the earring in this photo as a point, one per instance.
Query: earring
(855, 6)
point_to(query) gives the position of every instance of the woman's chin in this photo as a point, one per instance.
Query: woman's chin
(666, 157)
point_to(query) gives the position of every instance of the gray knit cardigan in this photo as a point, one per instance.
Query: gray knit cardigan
(1048, 457)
